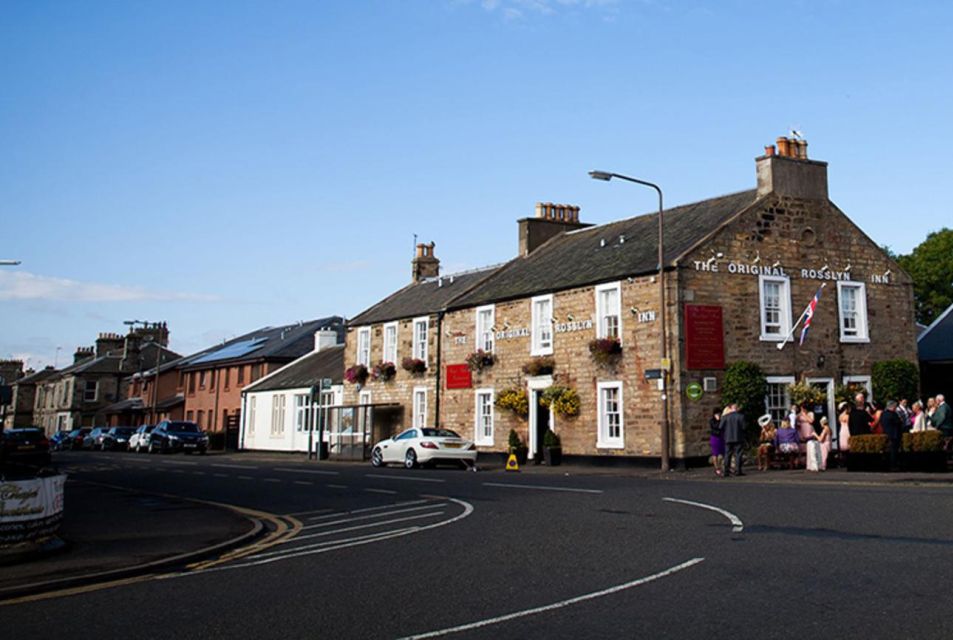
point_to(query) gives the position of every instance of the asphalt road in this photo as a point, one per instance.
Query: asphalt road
(446, 553)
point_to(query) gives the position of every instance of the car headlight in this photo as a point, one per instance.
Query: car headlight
(173, 438)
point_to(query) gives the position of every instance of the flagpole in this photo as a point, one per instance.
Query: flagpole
(794, 327)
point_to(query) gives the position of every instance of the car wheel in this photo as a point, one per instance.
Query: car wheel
(377, 458)
(410, 459)
(152, 448)
(138, 448)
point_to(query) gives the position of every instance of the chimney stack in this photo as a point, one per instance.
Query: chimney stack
(131, 352)
(551, 220)
(425, 264)
(109, 343)
(83, 353)
(790, 173)
(325, 338)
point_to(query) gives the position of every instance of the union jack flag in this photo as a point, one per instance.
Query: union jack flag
(809, 314)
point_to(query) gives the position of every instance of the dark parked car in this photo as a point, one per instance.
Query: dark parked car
(177, 435)
(117, 439)
(75, 438)
(59, 440)
(94, 439)
(26, 446)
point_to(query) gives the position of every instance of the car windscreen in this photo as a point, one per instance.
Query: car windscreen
(22, 434)
(125, 431)
(182, 427)
(440, 433)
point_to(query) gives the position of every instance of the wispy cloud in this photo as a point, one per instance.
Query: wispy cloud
(346, 267)
(517, 9)
(22, 285)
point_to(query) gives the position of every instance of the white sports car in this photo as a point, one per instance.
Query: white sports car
(424, 446)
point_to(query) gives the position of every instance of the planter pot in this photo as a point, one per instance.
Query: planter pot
(929, 461)
(553, 456)
(867, 462)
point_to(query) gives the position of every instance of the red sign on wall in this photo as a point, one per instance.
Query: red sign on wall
(704, 337)
(459, 376)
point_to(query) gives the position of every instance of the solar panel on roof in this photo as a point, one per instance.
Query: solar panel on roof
(234, 350)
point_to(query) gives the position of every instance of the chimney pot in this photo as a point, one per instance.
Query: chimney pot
(539, 210)
(769, 150)
(783, 146)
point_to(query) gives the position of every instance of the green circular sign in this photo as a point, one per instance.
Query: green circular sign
(694, 391)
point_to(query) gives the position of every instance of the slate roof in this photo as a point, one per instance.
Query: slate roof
(579, 258)
(423, 298)
(306, 371)
(268, 343)
(38, 376)
(936, 343)
(129, 404)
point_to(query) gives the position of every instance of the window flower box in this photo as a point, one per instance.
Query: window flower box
(356, 374)
(384, 371)
(542, 366)
(415, 366)
(605, 351)
(480, 360)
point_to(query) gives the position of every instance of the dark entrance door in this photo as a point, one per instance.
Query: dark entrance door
(542, 426)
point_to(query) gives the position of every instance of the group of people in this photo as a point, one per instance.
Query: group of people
(797, 437)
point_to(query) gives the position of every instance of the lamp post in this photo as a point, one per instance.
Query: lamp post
(663, 339)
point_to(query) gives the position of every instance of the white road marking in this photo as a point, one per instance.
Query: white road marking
(220, 475)
(230, 466)
(387, 477)
(317, 472)
(272, 480)
(370, 525)
(540, 487)
(737, 526)
(176, 471)
(180, 462)
(557, 605)
(198, 473)
(304, 482)
(244, 477)
(384, 491)
(339, 514)
(336, 486)
(371, 516)
(380, 535)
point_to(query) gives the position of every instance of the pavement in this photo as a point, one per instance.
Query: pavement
(109, 533)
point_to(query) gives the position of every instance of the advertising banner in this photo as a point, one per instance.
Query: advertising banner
(30, 509)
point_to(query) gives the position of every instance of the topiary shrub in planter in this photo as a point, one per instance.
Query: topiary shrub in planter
(415, 366)
(552, 448)
(605, 351)
(923, 451)
(746, 385)
(356, 374)
(895, 380)
(480, 360)
(541, 366)
(515, 445)
(868, 453)
(563, 401)
(384, 371)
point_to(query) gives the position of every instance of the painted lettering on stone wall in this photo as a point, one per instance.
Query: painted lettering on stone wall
(578, 325)
(507, 334)
(711, 266)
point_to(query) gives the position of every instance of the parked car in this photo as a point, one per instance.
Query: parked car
(59, 440)
(139, 441)
(94, 439)
(177, 435)
(27, 446)
(117, 439)
(75, 438)
(424, 446)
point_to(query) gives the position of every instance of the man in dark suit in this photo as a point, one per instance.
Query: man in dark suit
(893, 428)
(858, 422)
(733, 430)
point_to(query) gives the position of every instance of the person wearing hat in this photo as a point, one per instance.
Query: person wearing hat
(766, 441)
(825, 438)
(788, 443)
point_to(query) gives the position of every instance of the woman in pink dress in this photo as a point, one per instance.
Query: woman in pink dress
(825, 439)
(805, 429)
(843, 417)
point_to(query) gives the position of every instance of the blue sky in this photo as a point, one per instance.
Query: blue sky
(228, 165)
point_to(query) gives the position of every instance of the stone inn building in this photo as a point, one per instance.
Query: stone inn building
(738, 271)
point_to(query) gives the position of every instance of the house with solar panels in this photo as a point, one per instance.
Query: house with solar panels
(212, 382)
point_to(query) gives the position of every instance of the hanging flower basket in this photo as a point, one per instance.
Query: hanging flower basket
(605, 351)
(514, 400)
(563, 401)
(356, 374)
(416, 366)
(384, 371)
(542, 366)
(480, 360)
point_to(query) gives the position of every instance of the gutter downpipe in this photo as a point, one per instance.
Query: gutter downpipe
(436, 414)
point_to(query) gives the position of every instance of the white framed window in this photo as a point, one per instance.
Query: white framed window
(542, 329)
(483, 427)
(852, 307)
(775, 308)
(420, 407)
(778, 398)
(364, 397)
(91, 391)
(390, 343)
(277, 415)
(302, 412)
(250, 426)
(611, 420)
(864, 381)
(485, 319)
(364, 346)
(609, 311)
(421, 331)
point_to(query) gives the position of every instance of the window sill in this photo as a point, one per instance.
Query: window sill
(849, 340)
(610, 445)
(541, 352)
(776, 339)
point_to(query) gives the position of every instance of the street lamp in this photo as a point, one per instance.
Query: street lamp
(606, 176)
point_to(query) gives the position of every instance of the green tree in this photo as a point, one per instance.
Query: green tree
(745, 384)
(895, 380)
(930, 264)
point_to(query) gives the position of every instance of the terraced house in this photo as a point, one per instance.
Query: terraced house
(576, 318)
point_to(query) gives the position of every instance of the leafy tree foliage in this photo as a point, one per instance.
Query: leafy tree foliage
(931, 267)
(895, 380)
(745, 384)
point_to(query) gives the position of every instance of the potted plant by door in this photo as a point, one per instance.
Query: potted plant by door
(552, 448)
(515, 445)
